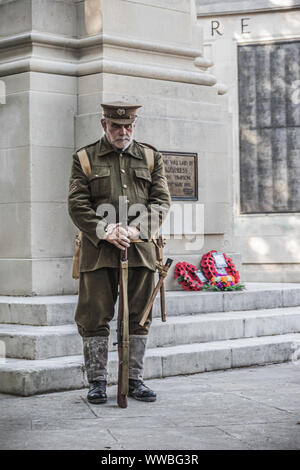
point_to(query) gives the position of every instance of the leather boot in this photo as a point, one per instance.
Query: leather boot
(97, 392)
(140, 391)
(95, 351)
(137, 389)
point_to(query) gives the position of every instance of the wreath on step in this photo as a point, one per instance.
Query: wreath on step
(209, 268)
(185, 273)
(207, 277)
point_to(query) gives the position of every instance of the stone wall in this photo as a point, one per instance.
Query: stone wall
(269, 243)
(269, 117)
(59, 59)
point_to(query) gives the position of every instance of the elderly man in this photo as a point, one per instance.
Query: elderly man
(119, 167)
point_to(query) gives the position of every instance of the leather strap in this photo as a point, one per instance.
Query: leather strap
(149, 158)
(84, 162)
(86, 168)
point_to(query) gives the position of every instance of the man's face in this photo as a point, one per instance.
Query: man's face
(118, 135)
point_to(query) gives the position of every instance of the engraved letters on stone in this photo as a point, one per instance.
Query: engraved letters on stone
(182, 175)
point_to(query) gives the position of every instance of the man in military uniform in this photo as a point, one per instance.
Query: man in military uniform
(119, 167)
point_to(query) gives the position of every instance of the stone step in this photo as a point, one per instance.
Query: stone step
(45, 310)
(59, 310)
(42, 342)
(25, 377)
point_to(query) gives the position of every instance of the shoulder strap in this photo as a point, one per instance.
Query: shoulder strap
(149, 153)
(84, 162)
(86, 168)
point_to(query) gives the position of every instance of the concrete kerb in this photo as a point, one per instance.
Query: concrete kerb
(23, 377)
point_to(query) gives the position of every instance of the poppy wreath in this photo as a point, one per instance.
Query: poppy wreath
(231, 269)
(209, 268)
(185, 273)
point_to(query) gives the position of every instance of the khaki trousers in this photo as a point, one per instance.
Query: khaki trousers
(98, 292)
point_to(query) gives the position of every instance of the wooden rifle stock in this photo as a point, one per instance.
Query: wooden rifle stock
(163, 303)
(123, 322)
(123, 339)
(160, 243)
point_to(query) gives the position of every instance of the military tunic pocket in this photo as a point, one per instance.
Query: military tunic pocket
(100, 182)
(143, 182)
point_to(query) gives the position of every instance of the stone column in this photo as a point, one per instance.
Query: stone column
(36, 141)
(59, 60)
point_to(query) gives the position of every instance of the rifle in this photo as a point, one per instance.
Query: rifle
(163, 271)
(160, 243)
(123, 318)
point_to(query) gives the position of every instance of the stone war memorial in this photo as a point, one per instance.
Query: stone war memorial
(59, 59)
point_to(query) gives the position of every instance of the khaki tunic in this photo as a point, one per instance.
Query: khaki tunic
(115, 174)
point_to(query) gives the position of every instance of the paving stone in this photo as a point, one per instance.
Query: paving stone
(192, 438)
(211, 410)
(60, 439)
(268, 436)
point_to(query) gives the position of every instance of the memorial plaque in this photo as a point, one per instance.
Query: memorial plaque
(182, 175)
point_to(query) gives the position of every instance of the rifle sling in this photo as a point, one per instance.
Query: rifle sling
(84, 162)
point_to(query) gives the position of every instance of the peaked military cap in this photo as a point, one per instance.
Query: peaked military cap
(120, 112)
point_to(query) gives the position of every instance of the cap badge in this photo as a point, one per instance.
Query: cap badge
(121, 111)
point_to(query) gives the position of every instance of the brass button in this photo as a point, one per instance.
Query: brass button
(125, 186)
(122, 171)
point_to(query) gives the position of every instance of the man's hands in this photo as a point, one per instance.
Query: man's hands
(120, 236)
(133, 232)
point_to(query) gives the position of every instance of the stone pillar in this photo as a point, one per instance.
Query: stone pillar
(59, 60)
(36, 141)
